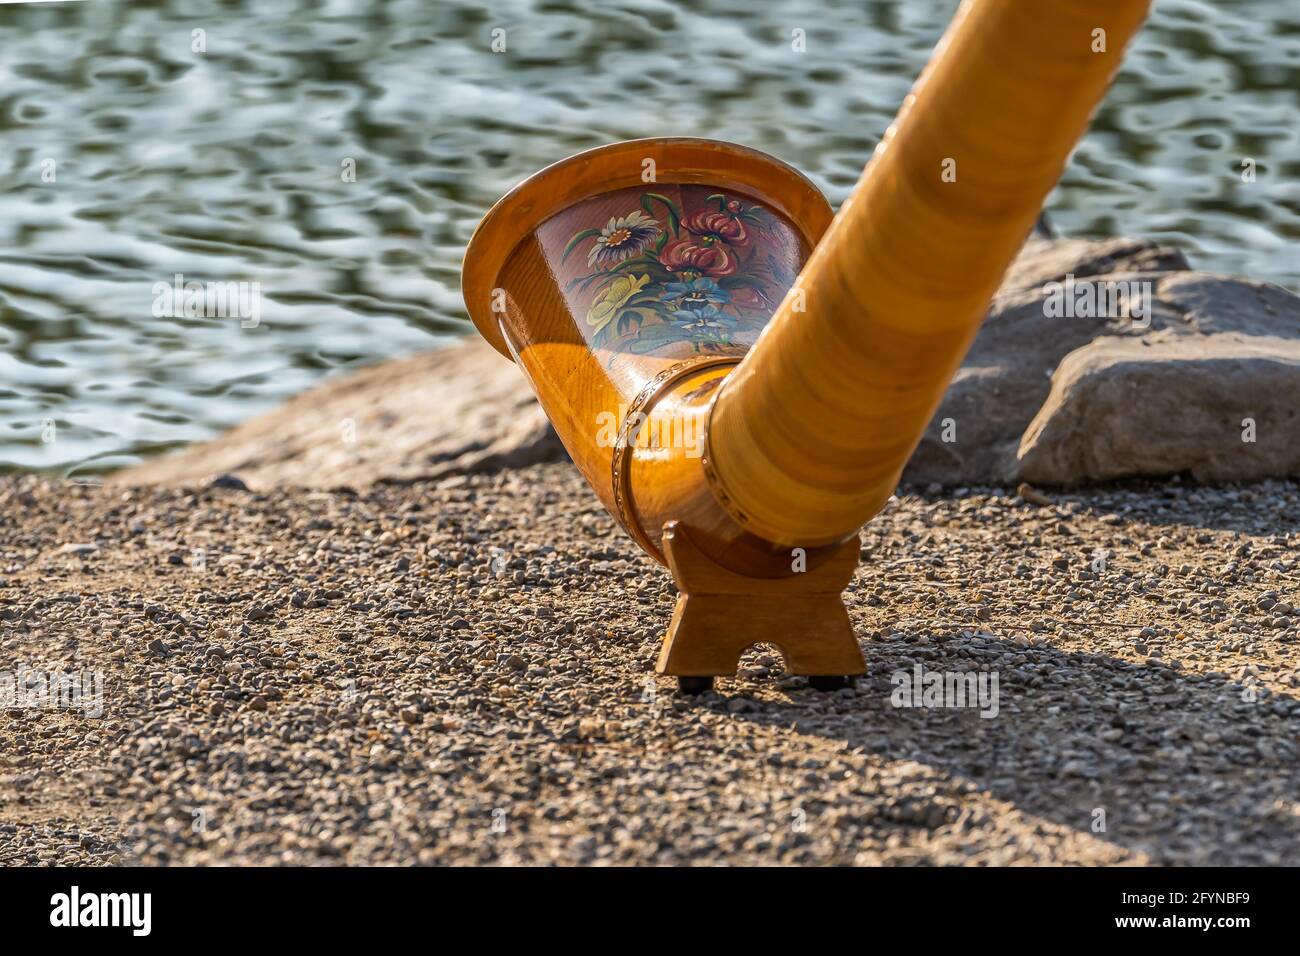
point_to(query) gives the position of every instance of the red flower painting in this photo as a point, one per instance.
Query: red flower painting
(709, 248)
(702, 277)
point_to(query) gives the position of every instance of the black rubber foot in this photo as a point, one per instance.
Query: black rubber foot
(694, 685)
(830, 682)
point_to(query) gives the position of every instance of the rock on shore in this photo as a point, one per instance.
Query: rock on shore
(1207, 383)
(1067, 400)
(462, 409)
(1203, 398)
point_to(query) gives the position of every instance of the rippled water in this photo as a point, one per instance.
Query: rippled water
(226, 165)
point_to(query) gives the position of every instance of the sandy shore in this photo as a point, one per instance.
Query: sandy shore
(463, 673)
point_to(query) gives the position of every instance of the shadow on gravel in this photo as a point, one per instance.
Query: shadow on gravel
(1185, 768)
(1258, 508)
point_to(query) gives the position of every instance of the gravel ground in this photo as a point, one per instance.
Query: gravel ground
(463, 674)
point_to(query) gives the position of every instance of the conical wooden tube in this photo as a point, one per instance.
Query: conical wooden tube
(809, 435)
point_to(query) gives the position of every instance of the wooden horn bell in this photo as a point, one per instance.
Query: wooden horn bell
(741, 377)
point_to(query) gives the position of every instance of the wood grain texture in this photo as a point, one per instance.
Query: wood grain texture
(805, 440)
(719, 614)
(518, 287)
(811, 432)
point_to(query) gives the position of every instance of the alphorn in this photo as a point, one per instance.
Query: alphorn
(740, 376)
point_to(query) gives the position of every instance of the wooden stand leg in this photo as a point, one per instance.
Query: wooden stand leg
(720, 614)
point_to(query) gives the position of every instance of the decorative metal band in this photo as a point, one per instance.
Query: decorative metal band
(631, 425)
(725, 500)
(719, 492)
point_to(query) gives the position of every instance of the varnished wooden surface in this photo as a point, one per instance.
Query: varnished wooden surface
(542, 326)
(676, 160)
(811, 433)
(719, 614)
(808, 435)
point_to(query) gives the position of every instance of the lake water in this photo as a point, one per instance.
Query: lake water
(131, 157)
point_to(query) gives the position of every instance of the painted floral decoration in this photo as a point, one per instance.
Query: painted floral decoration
(704, 277)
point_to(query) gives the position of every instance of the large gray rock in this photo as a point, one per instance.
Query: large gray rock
(1006, 376)
(456, 410)
(1017, 362)
(1222, 407)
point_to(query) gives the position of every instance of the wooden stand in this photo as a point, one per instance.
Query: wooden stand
(720, 614)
